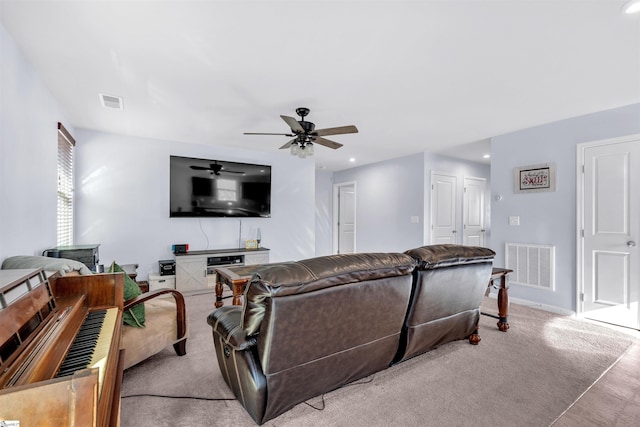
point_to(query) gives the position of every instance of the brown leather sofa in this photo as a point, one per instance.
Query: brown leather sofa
(309, 327)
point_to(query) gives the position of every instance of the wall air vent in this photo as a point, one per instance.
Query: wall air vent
(532, 265)
(109, 101)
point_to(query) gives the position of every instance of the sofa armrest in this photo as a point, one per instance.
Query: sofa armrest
(181, 317)
(226, 322)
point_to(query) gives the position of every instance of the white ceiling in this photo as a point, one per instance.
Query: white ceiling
(413, 76)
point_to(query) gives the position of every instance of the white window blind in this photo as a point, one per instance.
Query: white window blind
(65, 186)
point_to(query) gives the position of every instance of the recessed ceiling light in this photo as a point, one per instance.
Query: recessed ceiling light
(486, 156)
(352, 159)
(632, 6)
(109, 101)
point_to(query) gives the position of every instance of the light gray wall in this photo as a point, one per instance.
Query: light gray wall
(387, 194)
(29, 117)
(122, 202)
(548, 218)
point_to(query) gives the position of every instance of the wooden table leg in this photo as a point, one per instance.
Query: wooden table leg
(503, 304)
(219, 302)
(237, 288)
(237, 293)
(474, 338)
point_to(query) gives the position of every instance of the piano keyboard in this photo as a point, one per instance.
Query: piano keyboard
(90, 348)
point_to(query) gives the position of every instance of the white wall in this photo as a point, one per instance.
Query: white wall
(122, 202)
(29, 117)
(548, 218)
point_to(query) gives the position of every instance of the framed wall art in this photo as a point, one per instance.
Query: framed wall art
(535, 178)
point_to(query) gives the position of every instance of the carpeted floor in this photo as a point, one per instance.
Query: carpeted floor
(526, 377)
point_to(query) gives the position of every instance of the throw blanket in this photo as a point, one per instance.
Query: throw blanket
(61, 265)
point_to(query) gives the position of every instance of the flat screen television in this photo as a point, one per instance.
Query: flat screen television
(218, 188)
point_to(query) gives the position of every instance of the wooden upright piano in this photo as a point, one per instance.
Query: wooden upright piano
(60, 355)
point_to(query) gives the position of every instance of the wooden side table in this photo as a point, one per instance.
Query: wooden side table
(236, 278)
(501, 274)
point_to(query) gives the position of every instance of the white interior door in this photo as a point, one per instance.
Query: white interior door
(443, 208)
(473, 225)
(611, 211)
(345, 214)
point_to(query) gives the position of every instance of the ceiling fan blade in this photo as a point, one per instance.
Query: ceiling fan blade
(293, 124)
(200, 168)
(267, 133)
(335, 131)
(288, 144)
(327, 142)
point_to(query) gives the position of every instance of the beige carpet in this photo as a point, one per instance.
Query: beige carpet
(525, 377)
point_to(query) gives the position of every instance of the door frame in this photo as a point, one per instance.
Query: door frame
(456, 206)
(484, 207)
(336, 218)
(580, 155)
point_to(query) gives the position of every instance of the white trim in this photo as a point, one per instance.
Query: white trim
(485, 199)
(458, 209)
(580, 150)
(532, 304)
(336, 191)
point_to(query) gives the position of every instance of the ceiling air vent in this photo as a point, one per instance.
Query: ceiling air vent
(109, 101)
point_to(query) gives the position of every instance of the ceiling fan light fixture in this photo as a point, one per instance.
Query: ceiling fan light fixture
(632, 6)
(306, 135)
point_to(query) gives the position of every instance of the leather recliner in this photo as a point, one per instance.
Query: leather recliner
(449, 284)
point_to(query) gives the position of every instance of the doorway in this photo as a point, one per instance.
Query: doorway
(344, 218)
(608, 271)
(443, 208)
(473, 208)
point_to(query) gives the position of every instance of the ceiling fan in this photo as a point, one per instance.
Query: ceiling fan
(214, 169)
(305, 134)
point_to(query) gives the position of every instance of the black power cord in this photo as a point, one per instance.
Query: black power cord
(229, 398)
(372, 377)
(178, 397)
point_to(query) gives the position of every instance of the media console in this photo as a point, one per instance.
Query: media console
(195, 270)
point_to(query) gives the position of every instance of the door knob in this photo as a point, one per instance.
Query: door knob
(631, 243)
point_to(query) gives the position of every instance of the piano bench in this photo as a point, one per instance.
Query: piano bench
(165, 324)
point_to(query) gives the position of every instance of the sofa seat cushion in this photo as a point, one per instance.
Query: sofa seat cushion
(159, 332)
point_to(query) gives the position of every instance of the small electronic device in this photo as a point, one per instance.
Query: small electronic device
(180, 249)
(167, 267)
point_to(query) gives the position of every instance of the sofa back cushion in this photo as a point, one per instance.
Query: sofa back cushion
(301, 277)
(439, 256)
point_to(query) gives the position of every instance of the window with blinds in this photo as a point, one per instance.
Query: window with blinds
(65, 186)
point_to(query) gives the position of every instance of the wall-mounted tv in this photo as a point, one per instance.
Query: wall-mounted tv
(218, 188)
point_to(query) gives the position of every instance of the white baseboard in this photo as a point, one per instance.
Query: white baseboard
(540, 306)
